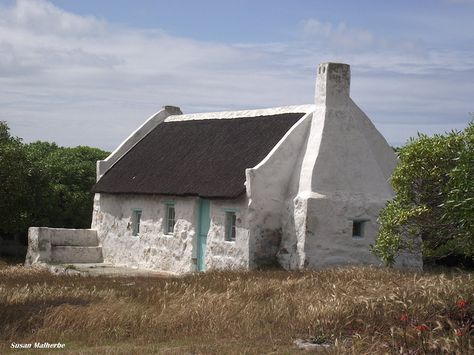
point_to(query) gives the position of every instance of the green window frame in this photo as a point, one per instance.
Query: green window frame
(170, 216)
(230, 219)
(136, 218)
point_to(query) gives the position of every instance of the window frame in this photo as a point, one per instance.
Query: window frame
(362, 225)
(230, 226)
(136, 221)
(169, 229)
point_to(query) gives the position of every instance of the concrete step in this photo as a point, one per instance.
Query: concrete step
(74, 237)
(76, 254)
(103, 269)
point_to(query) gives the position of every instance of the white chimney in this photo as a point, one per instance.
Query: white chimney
(333, 85)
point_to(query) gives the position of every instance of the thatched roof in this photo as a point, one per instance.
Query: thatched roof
(205, 158)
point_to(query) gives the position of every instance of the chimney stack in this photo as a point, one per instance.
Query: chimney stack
(333, 85)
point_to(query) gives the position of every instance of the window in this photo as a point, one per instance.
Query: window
(170, 218)
(136, 216)
(230, 226)
(358, 229)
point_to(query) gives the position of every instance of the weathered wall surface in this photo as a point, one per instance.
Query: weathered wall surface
(267, 188)
(346, 160)
(153, 248)
(222, 254)
(291, 255)
(329, 239)
(343, 177)
(47, 245)
(39, 246)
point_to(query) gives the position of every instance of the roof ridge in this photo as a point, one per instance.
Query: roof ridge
(242, 113)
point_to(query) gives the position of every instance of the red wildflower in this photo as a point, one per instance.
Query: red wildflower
(404, 317)
(458, 332)
(461, 303)
(422, 327)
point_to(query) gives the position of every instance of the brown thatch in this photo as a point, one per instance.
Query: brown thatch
(204, 158)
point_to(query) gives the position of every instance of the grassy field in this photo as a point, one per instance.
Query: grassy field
(356, 310)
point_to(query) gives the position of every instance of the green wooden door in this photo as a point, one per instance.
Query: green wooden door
(203, 223)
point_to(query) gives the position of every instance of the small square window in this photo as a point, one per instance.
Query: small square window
(170, 218)
(136, 217)
(358, 229)
(230, 226)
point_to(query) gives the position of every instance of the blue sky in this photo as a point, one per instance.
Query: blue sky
(270, 20)
(89, 72)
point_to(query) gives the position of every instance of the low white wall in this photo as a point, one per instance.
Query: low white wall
(153, 248)
(42, 239)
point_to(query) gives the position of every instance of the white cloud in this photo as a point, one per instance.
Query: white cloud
(338, 36)
(43, 17)
(82, 80)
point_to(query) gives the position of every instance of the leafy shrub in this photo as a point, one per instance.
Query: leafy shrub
(42, 184)
(434, 185)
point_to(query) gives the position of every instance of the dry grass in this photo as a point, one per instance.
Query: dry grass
(358, 310)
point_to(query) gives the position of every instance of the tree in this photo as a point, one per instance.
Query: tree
(434, 185)
(70, 174)
(5, 133)
(459, 204)
(14, 184)
(42, 184)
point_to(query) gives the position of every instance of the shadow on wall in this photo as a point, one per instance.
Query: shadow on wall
(267, 246)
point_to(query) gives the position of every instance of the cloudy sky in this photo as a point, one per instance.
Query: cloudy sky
(89, 72)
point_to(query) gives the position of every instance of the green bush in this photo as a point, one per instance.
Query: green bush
(434, 186)
(42, 184)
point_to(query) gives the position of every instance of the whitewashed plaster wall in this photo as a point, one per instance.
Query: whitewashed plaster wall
(329, 239)
(343, 177)
(153, 248)
(267, 189)
(223, 254)
(331, 168)
(43, 244)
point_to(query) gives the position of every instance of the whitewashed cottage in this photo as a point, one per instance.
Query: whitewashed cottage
(296, 186)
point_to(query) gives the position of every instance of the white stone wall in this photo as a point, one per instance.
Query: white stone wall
(344, 176)
(268, 188)
(291, 253)
(153, 248)
(330, 168)
(44, 242)
(329, 223)
(222, 254)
